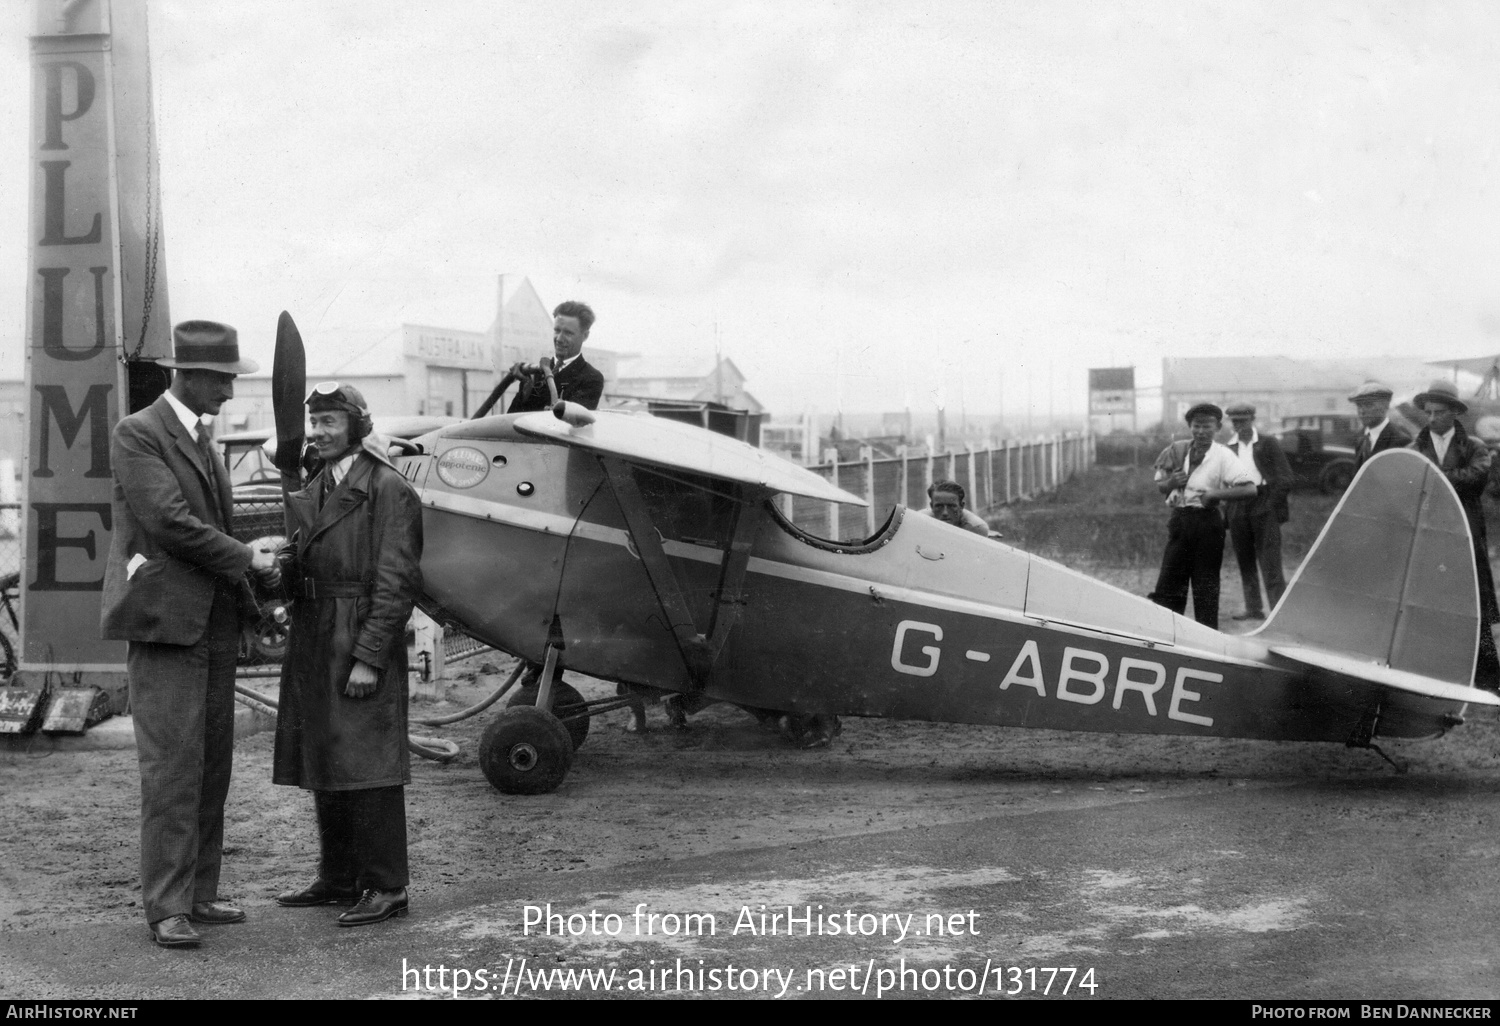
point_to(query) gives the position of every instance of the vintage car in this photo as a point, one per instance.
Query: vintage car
(1317, 463)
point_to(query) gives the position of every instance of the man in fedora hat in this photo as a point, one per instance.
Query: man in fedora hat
(175, 589)
(1197, 474)
(1465, 462)
(1372, 401)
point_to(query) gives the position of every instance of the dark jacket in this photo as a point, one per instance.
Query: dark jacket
(1466, 465)
(167, 508)
(353, 570)
(1390, 437)
(1276, 474)
(579, 382)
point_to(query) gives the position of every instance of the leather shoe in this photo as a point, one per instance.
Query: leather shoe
(375, 906)
(215, 913)
(175, 932)
(319, 892)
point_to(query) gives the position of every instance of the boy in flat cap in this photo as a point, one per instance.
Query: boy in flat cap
(1372, 401)
(1465, 462)
(1255, 523)
(1196, 475)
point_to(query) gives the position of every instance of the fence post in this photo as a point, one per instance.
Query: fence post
(989, 473)
(832, 456)
(868, 453)
(905, 476)
(973, 486)
(786, 506)
(928, 483)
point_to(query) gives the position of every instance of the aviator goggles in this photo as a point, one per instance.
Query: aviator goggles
(334, 394)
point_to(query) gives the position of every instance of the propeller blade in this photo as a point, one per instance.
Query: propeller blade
(288, 390)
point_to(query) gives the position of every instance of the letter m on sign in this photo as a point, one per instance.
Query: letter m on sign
(56, 408)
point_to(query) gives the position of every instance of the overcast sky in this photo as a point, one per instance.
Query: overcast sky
(871, 203)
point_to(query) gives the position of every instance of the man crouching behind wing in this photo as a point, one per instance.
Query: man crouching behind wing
(352, 568)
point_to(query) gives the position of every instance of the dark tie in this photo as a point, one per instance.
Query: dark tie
(206, 447)
(1363, 452)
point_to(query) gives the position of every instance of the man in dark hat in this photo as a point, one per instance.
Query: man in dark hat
(1465, 462)
(576, 379)
(1196, 474)
(1372, 401)
(353, 568)
(175, 589)
(1255, 523)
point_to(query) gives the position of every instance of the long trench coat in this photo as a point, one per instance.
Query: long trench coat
(1466, 465)
(353, 571)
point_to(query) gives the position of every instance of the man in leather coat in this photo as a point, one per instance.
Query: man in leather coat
(352, 567)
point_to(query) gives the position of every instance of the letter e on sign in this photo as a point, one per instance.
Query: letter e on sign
(932, 652)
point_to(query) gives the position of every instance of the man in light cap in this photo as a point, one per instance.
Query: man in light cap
(352, 567)
(175, 589)
(1255, 522)
(1465, 462)
(1372, 401)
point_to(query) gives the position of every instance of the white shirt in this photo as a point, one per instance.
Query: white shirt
(557, 368)
(1219, 468)
(1374, 432)
(1440, 444)
(338, 470)
(190, 420)
(1245, 451)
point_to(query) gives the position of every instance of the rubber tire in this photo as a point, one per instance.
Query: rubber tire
(565, 699)
(1336, 477)
(525, 750)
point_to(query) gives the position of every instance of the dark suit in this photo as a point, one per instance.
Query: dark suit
(180, 610)
(1390, 437)
(579, 382)
(1255, 524)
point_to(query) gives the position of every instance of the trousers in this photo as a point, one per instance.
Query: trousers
(182, 702)
(1193, 557)
(362, 838)
(1255, 533)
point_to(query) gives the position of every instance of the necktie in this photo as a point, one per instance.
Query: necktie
(206, 447)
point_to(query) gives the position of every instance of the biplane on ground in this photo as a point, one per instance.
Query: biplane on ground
(652, 553)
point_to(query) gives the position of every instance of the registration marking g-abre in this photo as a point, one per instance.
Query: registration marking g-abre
(1078, 666)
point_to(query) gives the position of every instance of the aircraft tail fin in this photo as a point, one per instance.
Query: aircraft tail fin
(1389, 590)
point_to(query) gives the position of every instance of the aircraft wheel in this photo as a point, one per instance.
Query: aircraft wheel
(566, 701)
(525, 750)
(1336, 477)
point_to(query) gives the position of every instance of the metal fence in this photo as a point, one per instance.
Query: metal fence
(992, 477)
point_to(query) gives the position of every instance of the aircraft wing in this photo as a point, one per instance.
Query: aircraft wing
(666, 443)
(1473, 364)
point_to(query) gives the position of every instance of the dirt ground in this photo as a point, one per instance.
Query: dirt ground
(69, 822)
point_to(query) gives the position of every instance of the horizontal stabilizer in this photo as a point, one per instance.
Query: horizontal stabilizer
(1401, 680)
(1391, 581)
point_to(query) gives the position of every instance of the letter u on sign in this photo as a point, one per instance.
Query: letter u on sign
(932, 652)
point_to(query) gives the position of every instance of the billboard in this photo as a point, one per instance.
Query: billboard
(1111, 390)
